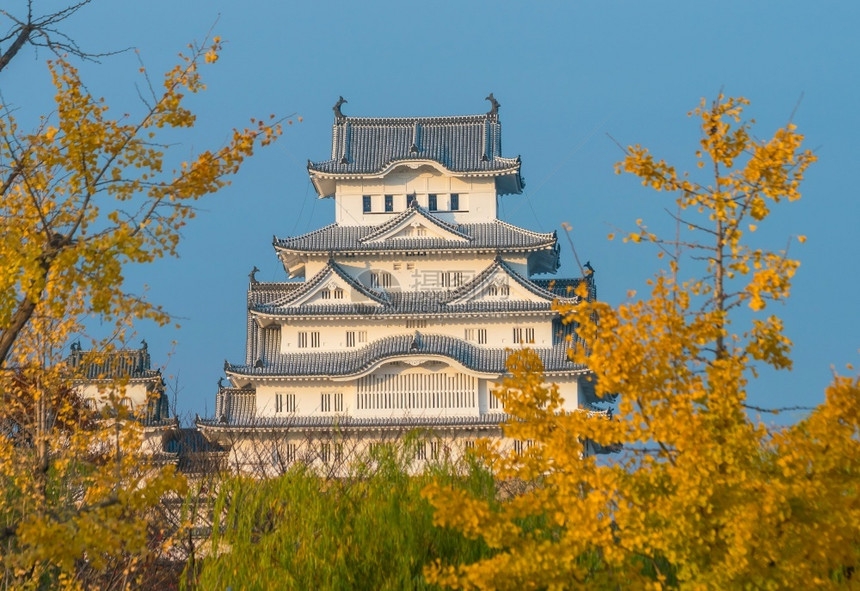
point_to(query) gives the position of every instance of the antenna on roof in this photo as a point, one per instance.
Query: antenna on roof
(567, 228)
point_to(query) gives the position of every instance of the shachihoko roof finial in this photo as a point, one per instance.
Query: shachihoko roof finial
(494, 106)
(253, 274)
(338, 115)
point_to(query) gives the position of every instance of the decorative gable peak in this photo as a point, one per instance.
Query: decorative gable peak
(498, 282)
(331, 286)
(416, 223)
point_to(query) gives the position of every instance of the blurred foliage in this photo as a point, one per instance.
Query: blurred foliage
(367, 529)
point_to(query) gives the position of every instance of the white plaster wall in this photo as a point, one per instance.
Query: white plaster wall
(477, 197)
(415, 271)
(255, 453)
(308, 397)
(568, 389)
(100, 394)
(332, 333)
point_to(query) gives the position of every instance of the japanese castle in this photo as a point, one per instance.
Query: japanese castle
(402, 313)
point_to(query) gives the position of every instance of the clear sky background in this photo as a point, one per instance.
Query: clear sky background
(566, 75)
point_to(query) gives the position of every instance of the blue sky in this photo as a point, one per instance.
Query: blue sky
(567, 75)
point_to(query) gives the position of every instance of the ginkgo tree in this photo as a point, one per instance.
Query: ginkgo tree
(85, 192)
(702, 495)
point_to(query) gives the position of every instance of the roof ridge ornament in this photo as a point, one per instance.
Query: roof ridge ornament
(493, 113)
(338, 115)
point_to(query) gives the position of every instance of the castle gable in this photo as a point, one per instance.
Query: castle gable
(416, 224)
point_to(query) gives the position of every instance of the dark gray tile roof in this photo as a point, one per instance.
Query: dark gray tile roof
(121, 364)
(235, 402)
(367, 145)
(264, 293)
(273, 363)
(416, 301)
(490, 236)
(125, 364)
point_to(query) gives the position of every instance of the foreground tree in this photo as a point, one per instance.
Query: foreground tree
(85, 193)
(702, 495)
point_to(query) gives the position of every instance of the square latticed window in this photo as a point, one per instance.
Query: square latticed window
(366, 203)
(389, 203)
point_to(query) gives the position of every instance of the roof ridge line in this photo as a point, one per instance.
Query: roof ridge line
(277, 240)
(412, 211)
(406, 119)
(531, 285)
(552, 234)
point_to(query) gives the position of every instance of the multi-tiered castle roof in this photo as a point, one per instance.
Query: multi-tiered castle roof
(405, 310)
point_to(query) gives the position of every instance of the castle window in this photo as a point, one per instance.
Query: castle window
(524, 335)
(477, 335)
(380, 279)
(416, 324)
(338, 294)
(285, 403)
(338, 452)
(305, 342)
(455, 201)
(492, 290)
(338, 402)
(452, 279)
(431, 202)
(350, 338)
(505, 290)
(421, 450)
(362, 336)
(366, 203)
(420, 231)
(325, 402)
(389, 203)
(396, 266)
(326, 294)
(325, 452)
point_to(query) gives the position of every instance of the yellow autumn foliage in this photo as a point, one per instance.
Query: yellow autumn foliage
(84, 193)
(701, 493)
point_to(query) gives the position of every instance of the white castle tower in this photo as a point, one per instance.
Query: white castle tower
(402, 313)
